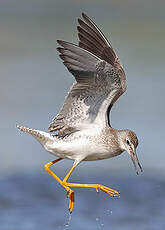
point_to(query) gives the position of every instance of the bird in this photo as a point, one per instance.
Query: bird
(82, 131)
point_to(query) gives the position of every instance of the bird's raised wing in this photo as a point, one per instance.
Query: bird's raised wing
(92, 39)
(100, 80)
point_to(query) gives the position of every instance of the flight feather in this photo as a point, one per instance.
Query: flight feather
(99, 76)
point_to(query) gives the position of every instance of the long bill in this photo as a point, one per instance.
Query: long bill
(135, 161)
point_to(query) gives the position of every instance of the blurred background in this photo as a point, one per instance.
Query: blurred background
(33, 86)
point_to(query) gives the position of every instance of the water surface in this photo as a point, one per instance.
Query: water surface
(37, 202)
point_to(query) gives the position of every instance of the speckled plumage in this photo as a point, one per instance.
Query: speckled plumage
(100, 80)
(83, 130)
(83, 126)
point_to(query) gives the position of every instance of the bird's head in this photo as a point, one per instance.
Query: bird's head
(129, 143)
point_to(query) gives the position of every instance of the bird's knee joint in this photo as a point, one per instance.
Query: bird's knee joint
(46, 167)
(64, 183)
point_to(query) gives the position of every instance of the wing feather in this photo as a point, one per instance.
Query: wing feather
(100, 80)
(87, 29)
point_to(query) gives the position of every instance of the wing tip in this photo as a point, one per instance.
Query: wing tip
(80, 21)
(59, 49)
(84, 15)
(60, 42)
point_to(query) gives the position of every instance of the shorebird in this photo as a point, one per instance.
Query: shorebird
(83, 130)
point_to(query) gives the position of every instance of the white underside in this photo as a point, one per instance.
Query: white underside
(79, 148)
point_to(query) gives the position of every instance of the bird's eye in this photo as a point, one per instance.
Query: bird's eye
(128, 142)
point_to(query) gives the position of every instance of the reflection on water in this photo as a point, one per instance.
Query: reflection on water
(38, 202)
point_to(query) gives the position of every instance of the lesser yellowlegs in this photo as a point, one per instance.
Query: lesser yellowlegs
(83, 130)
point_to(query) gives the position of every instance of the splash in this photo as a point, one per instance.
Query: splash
(69, 220)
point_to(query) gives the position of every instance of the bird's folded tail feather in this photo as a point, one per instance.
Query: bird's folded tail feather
(41, 136)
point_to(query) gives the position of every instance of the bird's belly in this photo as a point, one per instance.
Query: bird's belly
(101, 154)
(81, 149)
(71, 149)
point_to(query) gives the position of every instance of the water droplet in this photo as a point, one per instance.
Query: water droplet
(109, 212)
(69, 220)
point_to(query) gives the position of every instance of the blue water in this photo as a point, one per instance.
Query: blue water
(34, 202)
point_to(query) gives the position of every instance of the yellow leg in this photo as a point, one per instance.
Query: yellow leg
(105, 189)
(70, 192)
(67, 185)
(70, 171)
(47, 168)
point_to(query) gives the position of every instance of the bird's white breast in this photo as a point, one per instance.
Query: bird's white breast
(80, 146)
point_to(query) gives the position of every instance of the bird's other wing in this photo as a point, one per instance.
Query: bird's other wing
(99, 82)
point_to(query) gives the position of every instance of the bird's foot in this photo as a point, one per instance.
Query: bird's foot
(107, 190)
(70, 195)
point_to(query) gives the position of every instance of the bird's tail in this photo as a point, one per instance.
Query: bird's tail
(41, 136)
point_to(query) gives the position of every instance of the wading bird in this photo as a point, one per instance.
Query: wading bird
(83, 130)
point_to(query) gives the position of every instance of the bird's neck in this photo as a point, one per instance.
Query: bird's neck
(114, 138)
(121, 136)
